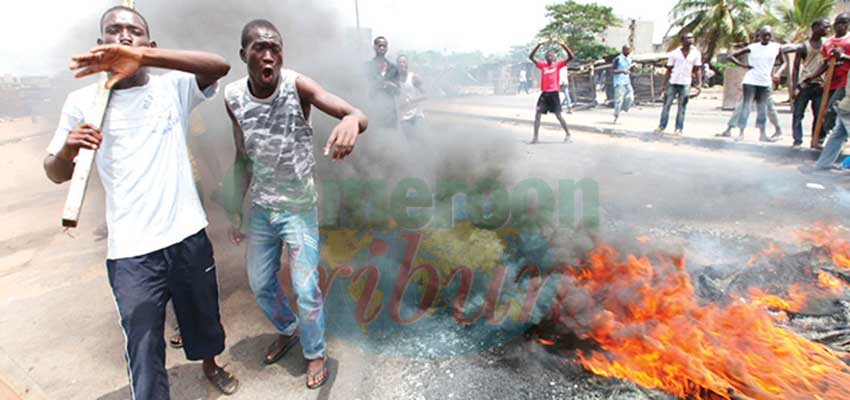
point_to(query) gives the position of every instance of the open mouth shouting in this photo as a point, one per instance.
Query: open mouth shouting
(267, 74)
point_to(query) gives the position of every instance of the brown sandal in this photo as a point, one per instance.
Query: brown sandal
(224, 381)
(278, 348)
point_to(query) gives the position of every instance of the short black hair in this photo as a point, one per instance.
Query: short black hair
(123, 8)
(842, 17)
(379, 38)
(822, 21)
(256, 24)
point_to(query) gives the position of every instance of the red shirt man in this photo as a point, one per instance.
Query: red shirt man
(550, 75)
(550, 85)
(839, 75)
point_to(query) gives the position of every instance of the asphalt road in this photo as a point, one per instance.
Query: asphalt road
(59, 336)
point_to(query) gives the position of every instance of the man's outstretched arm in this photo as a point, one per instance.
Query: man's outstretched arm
(570, 55)
(353, 121)
(123, 61)
(534, 52)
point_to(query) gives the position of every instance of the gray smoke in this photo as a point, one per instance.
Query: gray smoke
(319, 45)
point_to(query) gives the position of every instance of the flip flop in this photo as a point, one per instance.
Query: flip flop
(313, 375)
(224, 381)
(276, 356)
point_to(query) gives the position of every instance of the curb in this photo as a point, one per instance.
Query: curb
(802, 153)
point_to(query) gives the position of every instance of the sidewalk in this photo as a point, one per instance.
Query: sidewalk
(703, 120)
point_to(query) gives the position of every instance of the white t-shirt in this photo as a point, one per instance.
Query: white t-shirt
(683, 67)
(761, 58)
(564, 79)
(143, 161)
(522, 76)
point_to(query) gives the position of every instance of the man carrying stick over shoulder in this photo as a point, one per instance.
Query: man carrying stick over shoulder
(270, 109)
(157, 245)
(833, 47)
(550, 87)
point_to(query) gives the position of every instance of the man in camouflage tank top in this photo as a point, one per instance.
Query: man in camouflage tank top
(270, 110)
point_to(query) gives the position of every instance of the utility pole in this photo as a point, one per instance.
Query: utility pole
(357, 23)
(357, 13)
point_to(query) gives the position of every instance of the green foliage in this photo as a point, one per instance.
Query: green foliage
(714, 23)
(579, 25)
(719, 24)
(792, 19)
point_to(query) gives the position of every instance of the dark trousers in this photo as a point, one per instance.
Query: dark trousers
(810, 94)
(185, 273)
(829, 115)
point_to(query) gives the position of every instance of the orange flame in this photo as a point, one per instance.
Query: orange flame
(827, 237)
(797, 298)
(829, 282)
(771, 251)
(653, 331)
(545, 342)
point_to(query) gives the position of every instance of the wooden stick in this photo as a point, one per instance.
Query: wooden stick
(85, 158)
(824, 100)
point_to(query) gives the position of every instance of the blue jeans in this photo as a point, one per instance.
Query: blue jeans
(568, 102)
(772, 116)
(834, 142)
(266, 232)
(623, 97)
(673, 91)
(759, 94)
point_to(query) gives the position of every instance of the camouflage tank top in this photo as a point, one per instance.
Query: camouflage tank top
(279, 142)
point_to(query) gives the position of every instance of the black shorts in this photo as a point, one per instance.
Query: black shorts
(185, 273)
(549, 102)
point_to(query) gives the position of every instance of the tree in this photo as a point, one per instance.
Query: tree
(580, 25)
(714, 23)
(795, 18)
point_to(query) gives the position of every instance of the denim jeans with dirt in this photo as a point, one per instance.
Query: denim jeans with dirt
(267, 231)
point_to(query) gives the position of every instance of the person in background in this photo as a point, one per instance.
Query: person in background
(383, 86)
(834, 47)
(622, 68)
(682, 65)
(523, 81)
(411, 96)
(761, 57)
(809, 58)
(838, 135)
(549, 100)
(772, 115)
(565, 89)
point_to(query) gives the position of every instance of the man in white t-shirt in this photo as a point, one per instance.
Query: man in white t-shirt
(157, 246)
(523, 81)
(682, 64)
(761, 56)
(565, 89)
